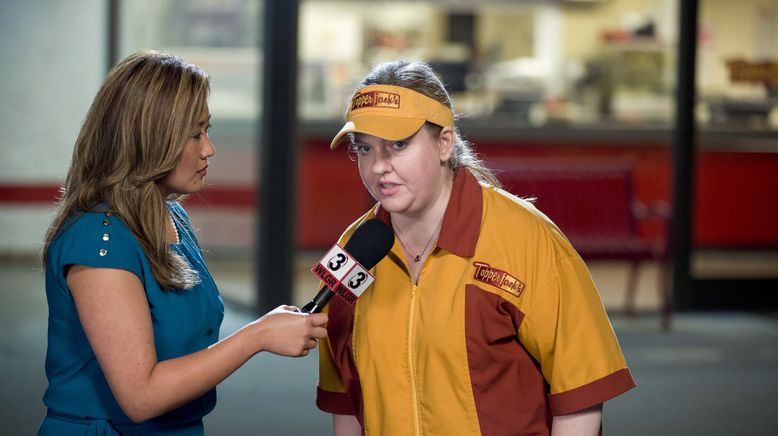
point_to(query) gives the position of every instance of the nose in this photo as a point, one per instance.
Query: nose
(381, 161)
(208, 149)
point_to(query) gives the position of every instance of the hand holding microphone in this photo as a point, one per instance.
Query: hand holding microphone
(287, 332)
(369, 244)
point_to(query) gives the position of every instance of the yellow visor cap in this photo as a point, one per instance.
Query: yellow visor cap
(391, 112)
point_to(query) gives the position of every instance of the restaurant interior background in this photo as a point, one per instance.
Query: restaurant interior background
(588, 82)
(581, 86)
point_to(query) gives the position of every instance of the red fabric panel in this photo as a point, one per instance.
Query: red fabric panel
(333, 402)
(340, 332)
(592, 394)
(509, 390)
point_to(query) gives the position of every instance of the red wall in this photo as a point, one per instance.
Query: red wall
(737, 199)
(330, 195)
(736, 205)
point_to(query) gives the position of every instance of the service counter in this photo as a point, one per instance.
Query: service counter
(735, 200)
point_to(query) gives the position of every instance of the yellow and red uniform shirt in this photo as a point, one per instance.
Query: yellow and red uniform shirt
(503, 330)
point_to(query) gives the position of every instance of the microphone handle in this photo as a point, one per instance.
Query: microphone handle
(319, 301)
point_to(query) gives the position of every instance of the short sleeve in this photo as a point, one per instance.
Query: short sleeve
(98, 240)
(568, 332)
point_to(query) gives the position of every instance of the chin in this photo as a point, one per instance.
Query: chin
(197, 188)
(393, 206)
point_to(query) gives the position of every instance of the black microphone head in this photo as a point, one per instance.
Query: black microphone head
(370, 242)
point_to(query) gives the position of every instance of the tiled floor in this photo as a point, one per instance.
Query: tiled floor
(714, 374)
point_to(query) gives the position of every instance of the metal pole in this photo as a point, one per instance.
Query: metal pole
(684, 148)
(112, 29)
(278, 155)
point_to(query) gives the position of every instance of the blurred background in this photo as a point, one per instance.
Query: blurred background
(573, 102)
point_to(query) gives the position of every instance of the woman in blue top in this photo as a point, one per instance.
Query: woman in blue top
(134, 314)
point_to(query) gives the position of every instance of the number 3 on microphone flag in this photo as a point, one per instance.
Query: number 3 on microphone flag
(358, 280)
(343, 274)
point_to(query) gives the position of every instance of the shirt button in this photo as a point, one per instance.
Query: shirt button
(103, 252)
(106, 236)
(106, 222)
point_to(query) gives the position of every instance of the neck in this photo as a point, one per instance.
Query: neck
(428, 217)
(417, 230)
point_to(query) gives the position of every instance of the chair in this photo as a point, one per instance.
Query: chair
(593, 202)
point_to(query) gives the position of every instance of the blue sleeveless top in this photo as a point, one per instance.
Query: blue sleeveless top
(78, 398)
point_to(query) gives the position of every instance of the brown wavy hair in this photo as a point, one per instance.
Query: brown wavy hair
(133, 135)
(420, 77)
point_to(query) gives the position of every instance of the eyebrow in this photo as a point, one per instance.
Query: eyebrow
(385, 141)
(360, 143)
(202, 123)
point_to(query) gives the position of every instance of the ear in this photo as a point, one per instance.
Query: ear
(445, 142)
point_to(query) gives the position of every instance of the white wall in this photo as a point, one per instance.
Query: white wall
(53, 61)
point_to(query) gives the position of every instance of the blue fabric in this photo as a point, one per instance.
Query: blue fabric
(184, 321)
(62, 424)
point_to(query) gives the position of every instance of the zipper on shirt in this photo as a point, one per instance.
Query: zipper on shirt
(410, 361)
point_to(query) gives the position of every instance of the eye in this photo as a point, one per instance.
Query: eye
(398, 145)
(356, 150)
(360, 149)
(202, 132)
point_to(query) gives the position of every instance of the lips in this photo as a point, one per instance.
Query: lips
(388, 188)
(203, 171)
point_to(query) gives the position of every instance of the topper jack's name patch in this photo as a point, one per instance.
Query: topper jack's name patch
(343, 274)
(375, 99)
(497, 278)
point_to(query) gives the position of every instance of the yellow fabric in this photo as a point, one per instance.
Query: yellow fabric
(409, 341)
(391, 112)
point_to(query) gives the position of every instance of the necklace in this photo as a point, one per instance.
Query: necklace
(175, 230)
(417, 258)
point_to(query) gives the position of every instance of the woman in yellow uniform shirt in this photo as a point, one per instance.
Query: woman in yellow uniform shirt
(482, 319)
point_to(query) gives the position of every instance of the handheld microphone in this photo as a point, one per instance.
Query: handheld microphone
(369, 244)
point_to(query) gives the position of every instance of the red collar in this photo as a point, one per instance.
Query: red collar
(462, 220)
